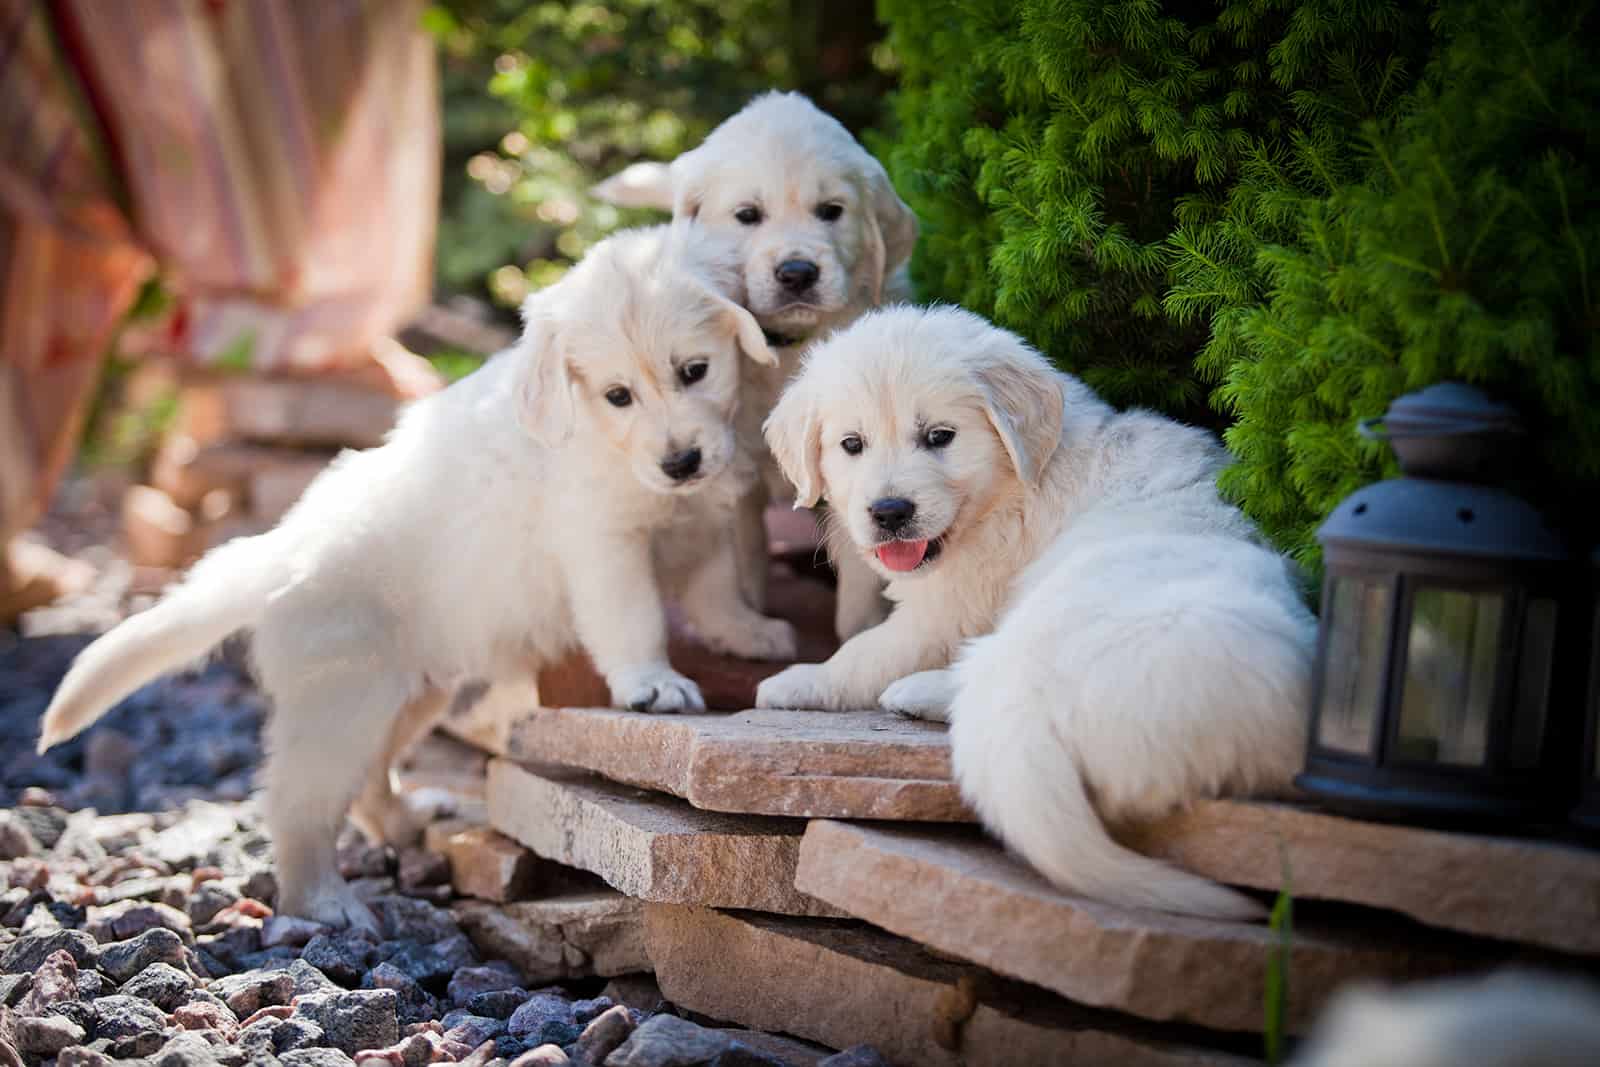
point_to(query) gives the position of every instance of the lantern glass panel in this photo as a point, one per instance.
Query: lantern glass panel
(1451, 656)
(1352, 680)
(1533, 683)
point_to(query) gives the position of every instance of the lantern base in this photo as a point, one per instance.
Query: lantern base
(1586, 816)
(1394, 803)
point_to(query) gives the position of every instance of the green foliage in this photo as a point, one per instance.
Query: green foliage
(577, 90)
(1098, 174)
(1464, 253)
(1275, 996)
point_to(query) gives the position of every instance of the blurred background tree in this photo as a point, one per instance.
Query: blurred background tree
(578, 90)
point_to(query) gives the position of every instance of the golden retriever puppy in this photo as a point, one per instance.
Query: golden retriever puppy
(505, 521)
(1509, 1019)
(1108, 638)
(813, 236)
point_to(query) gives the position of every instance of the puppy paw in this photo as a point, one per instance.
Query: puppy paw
(655, 688)
(755, 638)
(924, 695)
(802, 686)
(339, 908)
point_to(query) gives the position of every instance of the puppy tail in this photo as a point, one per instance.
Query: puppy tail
(226, 591)
(1027, 788)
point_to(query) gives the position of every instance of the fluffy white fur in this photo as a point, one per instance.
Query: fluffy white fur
(785, 160)
(1108, 638)
(504, 521)
(1510, 1019)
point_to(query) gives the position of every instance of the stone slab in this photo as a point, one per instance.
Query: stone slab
(650, 846)
(803, 764)
(263, 480)
(295, 411)
(962, 895)
(484, 863)
(1534, 892)
(727, 682)
(843, 984)
(576, 935)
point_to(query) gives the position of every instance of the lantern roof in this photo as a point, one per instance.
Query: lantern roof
(1444, 518)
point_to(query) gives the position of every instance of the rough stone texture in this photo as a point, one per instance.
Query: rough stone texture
(124, 959)
(650, 846)
(483, 863)
(245, 994)
(603, 1034)
(315, 1057)
(842, 985)
(161, 984)
(133, 1025)
(27, 952)
(842, 765)
(1541, 892)
(789, 1051)
(963, 896)
(668, 1041)
(354, 1020)
(130, 918)
(856, 1056)
(597, 933)
(46, 1035)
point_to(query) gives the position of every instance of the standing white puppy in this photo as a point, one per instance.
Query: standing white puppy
(1108, 638)
(504, 521)
(813, 235)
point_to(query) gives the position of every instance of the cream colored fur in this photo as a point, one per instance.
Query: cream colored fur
(1108, 638)
(505, 521)
(785, 158)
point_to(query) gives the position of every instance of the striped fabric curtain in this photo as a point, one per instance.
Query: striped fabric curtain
(276, 159)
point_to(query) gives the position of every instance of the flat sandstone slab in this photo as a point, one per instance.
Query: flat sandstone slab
(843, 984)
(1534, 892)
(963, 896)
(802, 764)
(571, 936)
(649, 846)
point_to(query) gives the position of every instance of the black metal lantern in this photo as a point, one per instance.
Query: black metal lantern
(1587, 813)
(1441, 690)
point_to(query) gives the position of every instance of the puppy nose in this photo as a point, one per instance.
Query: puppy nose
(797, 275)
(892, 512)
(681, 465)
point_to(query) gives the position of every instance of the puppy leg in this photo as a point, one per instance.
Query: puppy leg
(327, 729)
(622, 624)
(856, 674)
(924, 695)
(861, 604)
(721, 617)
(380, 812)
(750, 546)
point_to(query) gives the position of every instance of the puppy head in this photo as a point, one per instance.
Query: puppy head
(915, 424)
(634, 348)
(818, 225)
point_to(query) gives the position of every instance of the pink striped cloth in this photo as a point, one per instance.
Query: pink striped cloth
(278, 161)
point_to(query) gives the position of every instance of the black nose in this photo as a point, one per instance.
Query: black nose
(681, 465)
(797, 275)
(892, 512)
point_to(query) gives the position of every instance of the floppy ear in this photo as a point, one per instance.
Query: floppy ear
(645, 184)
(543, 385)
(688, 185)
(746, 329)
(793, 433)
(1023, 398)
(891, 228)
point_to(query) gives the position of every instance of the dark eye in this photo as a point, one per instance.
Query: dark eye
(852, 444)
(690, 373)
(829, 212)
(938, 437)
(748, 216)
(619, 396)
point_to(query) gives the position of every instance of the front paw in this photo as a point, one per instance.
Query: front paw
(802, 686)
(924, 695)
(655, 688)
(754, 638)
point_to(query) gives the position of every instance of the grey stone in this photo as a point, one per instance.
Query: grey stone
(124, 959)
(585, 1010)
(82, 1056)
(497, 1003)
(46, 1035)
(92, 985)
(344, 959)
(420, 867)
(472, 1030)
(56, 980)
(289, 930)
(408, 919)
(415, 1005)
(855, 1056)
(191, 1049)
(296, 1033)
(307, 979)
(247, 993)
(209, 898)
(457, 951)
(130, 918)
(46, 824)
(28, 951)
(427, 967)
(261, 885)
(668, 1041)
(315, 1057)
(16, 839)
(468, 982)
(14, 986)
(356, 1019)
(543, 1056)
(604, 1033)
(540, 1014)
(134, 1025)
(162, 984)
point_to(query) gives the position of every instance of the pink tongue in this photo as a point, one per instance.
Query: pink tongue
(902, 555)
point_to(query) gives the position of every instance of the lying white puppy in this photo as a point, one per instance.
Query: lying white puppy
(1121, 639)
(815, 236)
(504, 521)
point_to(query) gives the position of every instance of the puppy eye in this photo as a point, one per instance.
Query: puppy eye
(938, 437)
(748, 216)
(619, 396)
(829, 212)
(690, 373)
(852, 444)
